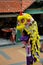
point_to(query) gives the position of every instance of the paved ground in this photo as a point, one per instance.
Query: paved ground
(14, 55)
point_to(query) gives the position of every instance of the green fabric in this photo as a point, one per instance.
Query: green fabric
(18, 35)
(34, 11)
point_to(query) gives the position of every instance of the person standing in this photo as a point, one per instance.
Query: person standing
(28, 26)
(13, 36)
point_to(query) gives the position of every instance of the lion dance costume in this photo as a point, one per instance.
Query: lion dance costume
(28, 26)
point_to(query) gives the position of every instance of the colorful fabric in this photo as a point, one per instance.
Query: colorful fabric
(31, 30)
(24, 38)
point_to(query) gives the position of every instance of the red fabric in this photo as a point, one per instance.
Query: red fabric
(28, 20)
(6, 30)
(20, 12)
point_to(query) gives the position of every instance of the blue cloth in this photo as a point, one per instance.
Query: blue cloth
(24, 38)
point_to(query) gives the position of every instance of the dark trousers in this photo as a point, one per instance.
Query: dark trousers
(29, 60)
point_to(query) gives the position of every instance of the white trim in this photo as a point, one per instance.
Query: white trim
(8, 15)
(28, 54)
